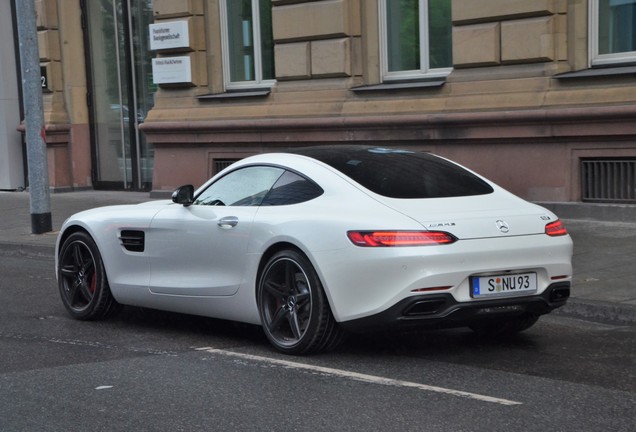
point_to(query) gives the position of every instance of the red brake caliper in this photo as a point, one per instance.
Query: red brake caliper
(93, 283)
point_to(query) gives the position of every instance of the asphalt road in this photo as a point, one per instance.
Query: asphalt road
(153, 371)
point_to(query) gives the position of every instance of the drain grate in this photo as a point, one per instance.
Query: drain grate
(221, 164)
(608, 180)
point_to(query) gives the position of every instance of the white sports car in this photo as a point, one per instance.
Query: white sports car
(314, 241)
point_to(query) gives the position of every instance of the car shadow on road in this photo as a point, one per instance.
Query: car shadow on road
(188, 327)
(447, 343)
(436, 342)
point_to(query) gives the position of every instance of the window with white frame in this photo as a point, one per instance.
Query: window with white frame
(416, 39)
(612, 32)
(248, 43)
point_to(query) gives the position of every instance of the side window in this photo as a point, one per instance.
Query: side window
(416, 38)
(248, 43)
(243, 187)
(292, 188)
(612, 31)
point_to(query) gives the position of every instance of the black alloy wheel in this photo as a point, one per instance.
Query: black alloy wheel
(82, 280)
(294, 310)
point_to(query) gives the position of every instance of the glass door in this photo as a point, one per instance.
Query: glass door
(121, 92)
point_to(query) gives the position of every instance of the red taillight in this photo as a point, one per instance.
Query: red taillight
(399, 238)
(555, 228)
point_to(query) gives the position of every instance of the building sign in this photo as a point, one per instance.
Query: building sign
(171, 70)
(44, 79)
(169, 35)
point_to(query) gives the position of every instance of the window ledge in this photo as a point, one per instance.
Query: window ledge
(411, 85)
(234, 94)
(598, 72)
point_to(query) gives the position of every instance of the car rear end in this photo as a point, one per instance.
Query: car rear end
(478, 254)
(472, 277)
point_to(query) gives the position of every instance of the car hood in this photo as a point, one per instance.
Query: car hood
(499, 214)
(156, 203)
(142, 211)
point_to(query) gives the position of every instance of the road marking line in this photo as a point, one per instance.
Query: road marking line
(373, 379)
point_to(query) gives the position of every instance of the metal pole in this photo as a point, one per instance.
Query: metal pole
(34, 118)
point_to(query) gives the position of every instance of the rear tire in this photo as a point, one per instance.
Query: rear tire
(82, 279)
(505, 327)
(293, 307)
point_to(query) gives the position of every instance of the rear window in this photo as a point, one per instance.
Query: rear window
(400, 173)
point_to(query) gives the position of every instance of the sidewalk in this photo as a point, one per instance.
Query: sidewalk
(604, 286)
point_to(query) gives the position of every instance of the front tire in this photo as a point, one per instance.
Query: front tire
(82, 279)
(293, 307)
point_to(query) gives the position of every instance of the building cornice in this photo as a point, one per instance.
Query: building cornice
(536, 123)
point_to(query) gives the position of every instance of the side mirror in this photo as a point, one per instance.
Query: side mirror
(183, 195)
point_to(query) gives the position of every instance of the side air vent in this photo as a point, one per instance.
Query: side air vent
(133, 241)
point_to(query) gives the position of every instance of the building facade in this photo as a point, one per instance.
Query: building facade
(537, 95)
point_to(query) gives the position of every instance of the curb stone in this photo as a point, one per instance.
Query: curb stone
(27, 250)
(599, 311)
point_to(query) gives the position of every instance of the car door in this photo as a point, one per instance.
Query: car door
(199, 250)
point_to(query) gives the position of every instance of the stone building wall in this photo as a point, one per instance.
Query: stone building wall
(521, 106)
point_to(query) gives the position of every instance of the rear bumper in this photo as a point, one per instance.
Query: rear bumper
(443, 311)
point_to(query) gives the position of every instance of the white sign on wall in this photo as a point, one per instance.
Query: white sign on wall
(169, 35)
(171, 70)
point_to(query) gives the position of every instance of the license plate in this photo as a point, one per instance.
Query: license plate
(503, 285)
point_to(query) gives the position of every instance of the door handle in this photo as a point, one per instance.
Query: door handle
(228, 222)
